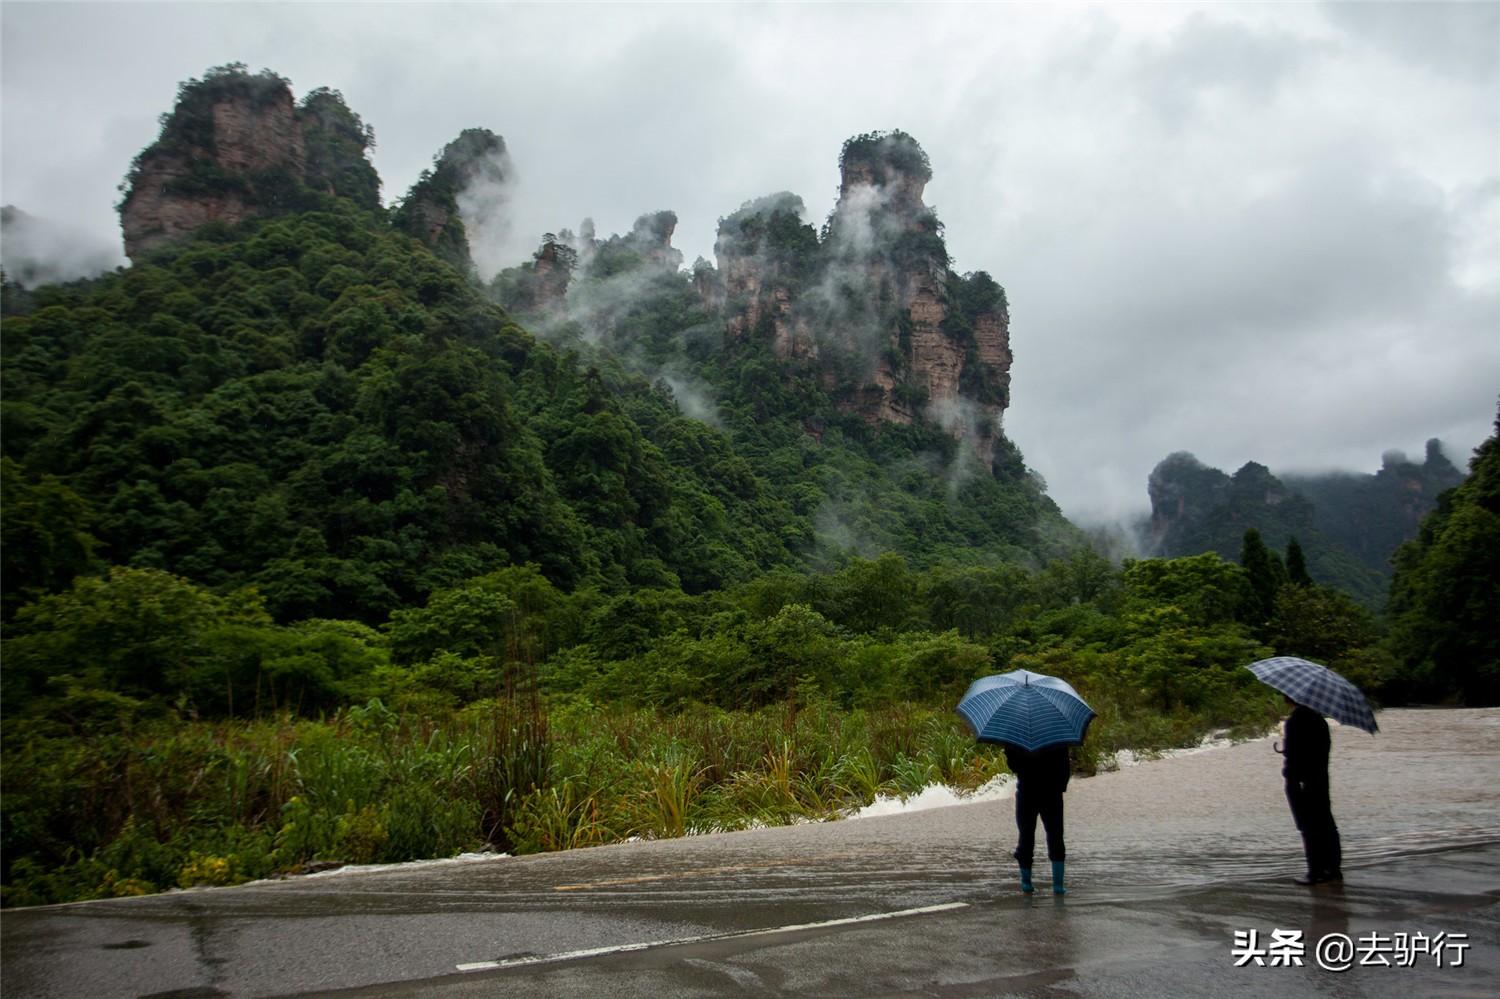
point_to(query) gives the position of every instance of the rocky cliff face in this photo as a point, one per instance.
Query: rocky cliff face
(897, 336)
(236, 147)
(765, 253)
(180, 187)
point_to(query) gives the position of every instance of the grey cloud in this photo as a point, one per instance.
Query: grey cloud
(1451, 38)
(1204, 58)
(1341, 236)
(1313, 325)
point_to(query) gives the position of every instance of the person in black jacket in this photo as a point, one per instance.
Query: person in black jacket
(1306, 771)
(1041, 778)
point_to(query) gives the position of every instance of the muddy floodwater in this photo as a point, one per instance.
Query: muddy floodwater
(1167, 860)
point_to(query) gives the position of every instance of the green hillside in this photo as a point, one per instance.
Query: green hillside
(317, 406)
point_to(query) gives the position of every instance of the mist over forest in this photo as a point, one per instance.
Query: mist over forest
(1254, 234)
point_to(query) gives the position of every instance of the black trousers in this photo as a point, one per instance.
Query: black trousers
(1314, 817)
(1048, 805)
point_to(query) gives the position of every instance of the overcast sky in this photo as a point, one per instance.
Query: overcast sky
(1262, 232)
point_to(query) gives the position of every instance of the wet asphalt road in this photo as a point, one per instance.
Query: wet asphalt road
(1168, 861)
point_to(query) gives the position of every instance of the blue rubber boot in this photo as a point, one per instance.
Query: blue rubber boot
(1026, 884)
(1057, 878)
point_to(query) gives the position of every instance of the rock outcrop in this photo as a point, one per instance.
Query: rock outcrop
(651, 237)
(896, 334)
(870, 306)
(765, 255)
(237, 147)
(553, 269)
(597, 285)
(539, 288)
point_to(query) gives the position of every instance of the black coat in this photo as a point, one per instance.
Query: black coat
(1306, 748)
(1040, 771)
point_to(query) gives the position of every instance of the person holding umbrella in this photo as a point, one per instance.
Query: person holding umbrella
(1305, 768)
(1041, 778)
(1036, 718)
(1313, 691)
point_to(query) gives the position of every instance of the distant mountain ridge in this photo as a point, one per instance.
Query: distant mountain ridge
(1348, 524)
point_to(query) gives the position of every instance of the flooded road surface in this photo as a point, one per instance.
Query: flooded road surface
(1168, 861)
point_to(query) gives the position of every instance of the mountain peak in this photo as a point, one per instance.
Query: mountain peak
(896, 335)
(892, 161)
(236, 146)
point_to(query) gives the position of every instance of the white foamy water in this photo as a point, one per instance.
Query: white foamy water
(1130, 758)
(938, 796)
(347, 869)
(1003, 786)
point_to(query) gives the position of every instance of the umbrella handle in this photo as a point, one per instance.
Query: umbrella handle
(1276, 747)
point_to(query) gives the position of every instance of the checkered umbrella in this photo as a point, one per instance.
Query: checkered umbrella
(1318, 687)
(1030, 710)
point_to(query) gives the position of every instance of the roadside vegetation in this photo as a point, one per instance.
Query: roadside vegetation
(198, 742)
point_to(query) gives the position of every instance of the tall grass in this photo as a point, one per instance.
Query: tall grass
(189, 803)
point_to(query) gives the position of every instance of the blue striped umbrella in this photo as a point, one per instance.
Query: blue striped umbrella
(1318, 687)
(1026, 709)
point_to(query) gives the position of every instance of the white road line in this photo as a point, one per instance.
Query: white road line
(573, 955)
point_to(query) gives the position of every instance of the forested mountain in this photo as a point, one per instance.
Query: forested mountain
(863, 318)
(1348, 525)
(293, 388)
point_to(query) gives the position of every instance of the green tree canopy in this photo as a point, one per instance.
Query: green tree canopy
(1445, 597)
